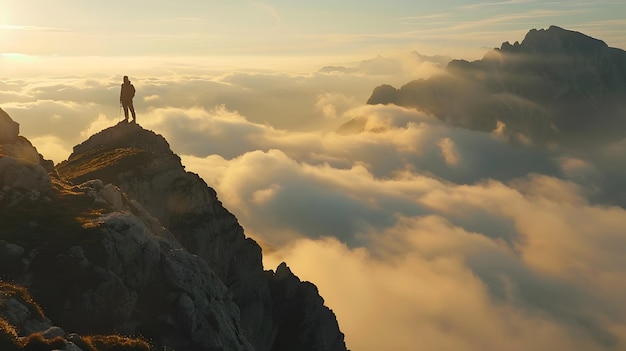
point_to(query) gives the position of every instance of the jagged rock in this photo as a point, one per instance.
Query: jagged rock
(23, 172)
(201, 302)
(73, 347)
(23, 326)
(113, 196)
(77, 254)
(182, 202)
(138, 247)
(20, 148)
(19, 310)
(21, 180)
(100, 263)
(556, 40)
(9, 129)
(305, 323)
(11, 258)
(555, 87)
(130, 251)
(9, 250)
(53, 332)
(130, 282)
(141, 164)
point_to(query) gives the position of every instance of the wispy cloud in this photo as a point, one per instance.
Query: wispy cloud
(501, 3)
(433, 16)
(32, 28)
(504, 19)
(268, 9)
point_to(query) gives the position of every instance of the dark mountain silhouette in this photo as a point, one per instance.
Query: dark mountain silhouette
(556, 86)
(121, 239)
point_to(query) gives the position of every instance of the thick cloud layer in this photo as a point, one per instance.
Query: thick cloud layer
(418, 260)
(415, 230)
(59, 106)
(418, 234)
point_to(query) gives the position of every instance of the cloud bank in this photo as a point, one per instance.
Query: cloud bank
(417, 233)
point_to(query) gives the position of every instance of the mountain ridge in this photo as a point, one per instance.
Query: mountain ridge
(556, 86)
(122, 233)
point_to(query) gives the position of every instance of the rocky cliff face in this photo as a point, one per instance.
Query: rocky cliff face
(555, 86)
(299, 304)
(23, 326)
(123, 240)
(98, 262)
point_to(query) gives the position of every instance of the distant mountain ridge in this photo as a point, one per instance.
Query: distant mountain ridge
(121, 239)
(556, 86)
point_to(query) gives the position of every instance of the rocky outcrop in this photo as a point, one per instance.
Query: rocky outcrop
(21, 180)
(299, 304)
(556, 86)
(23, 326)
(124, 240)
(19, 310)
(111, 271)
(141, 164)
(23, 171)
(9, 129)
(100, 263)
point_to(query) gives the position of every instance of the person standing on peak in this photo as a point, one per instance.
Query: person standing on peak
(126, 99)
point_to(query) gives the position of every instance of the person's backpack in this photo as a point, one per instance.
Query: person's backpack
(132, 91)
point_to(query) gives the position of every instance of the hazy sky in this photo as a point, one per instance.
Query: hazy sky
(419, 235)
(287, 27)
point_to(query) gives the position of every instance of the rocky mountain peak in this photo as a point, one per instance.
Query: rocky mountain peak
(9, 129)
(98, 262)
(556, 87)
(13, 145)
(24, 173)
(124, 135)
(131, 243)
(556, 40)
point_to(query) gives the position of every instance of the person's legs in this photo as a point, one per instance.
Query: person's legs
(132, 111)
(125, 111)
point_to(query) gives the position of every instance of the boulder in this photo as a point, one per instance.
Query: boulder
(21, 180)
(9, 129)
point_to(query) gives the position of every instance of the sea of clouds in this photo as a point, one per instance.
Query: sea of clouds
(419, 235)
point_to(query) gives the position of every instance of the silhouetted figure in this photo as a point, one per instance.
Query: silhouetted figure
(126, 99)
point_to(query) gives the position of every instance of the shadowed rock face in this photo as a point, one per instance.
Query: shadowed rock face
(9, 129)
(23, 326)
(297, 303)
(98, 262)
(141, 164)
(125, 241)
(23, 172)
(556, 86)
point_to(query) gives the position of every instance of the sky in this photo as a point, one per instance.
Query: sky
(417, 233)
(289, 28)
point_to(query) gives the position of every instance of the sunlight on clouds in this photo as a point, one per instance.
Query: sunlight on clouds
(444, 238)
(100, 123)
(150, 98)
(560, 232)
(212, 168)
(334, 105)
(500, 131)
(261, 197)
(423, 277)
(449, 151)
(580, 170)
(434, 302)
(56, 149)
